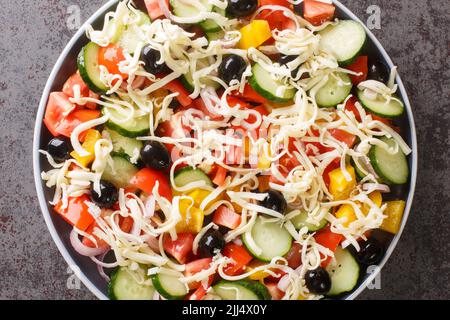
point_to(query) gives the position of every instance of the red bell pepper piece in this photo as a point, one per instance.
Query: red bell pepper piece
(146, 179)
(328, 239)
(183, 96)
(76, 213)
(241, 257)
(360, 65)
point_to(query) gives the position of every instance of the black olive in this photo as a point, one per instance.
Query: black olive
(275, 201)
(371, 252)
(151, 58)
(211, 243)
(241, 8)
(155, 155)
(59, 149)
(318, 281)
(108, 194)
(232, 68)
(378, 71)
(285, 59)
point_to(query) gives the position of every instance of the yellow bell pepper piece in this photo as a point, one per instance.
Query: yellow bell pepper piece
(340, 188)
(254, 34)
(191, 218)
(198, 195)
(258, 275)
(347, 211)
(394, 212)
(92, 136)
(263, 162)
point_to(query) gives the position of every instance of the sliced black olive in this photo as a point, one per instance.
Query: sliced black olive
(241, 8)
(275, 201)
(59, 149)
(211, 243)
(285, 59)
(151, 58)
(318, 281)
(378, 71)
(155, 155)
(232, 68)
(371, 252)
(108, 194)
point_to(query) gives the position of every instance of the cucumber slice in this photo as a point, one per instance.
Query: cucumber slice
(188, 81)
(129, 39)
(184, 10)
(212, 36)
(344, 40)
(299, 222)
(381, 107)
(88, 66)
(187, 175)
(124, 145)
(344, 274)
(122, 173)
(331, 94)
(133, 128)
(169, 286)
(392, 168)
(241, 290)
(123, 286)
(263, 83)
(209, 26)
(270, 237)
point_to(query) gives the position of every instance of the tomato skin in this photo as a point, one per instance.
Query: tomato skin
(76, 213)
(58, 105)
(74, 80)
(276, 293)
(332, 166)
(195, 267)
(179, 248)
(73, 120)
(283, 3)
(294, 256)
(317, 12)
(360, 65)
(219, 176)
(201, 291)
(200, 105)
(249, 94)
(343, 136)
(110, 57)
(227, 218)
(328, 239)
(146, 179)
(241, 258)
(154, 10)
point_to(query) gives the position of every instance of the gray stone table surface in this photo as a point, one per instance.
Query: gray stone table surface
(34, 32)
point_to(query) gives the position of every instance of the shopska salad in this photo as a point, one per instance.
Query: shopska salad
(227, 149)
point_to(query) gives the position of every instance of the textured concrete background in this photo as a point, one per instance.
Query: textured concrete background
(33, 33)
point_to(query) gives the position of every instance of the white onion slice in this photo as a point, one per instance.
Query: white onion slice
(82, 249)
(376, 186)
(284, 282)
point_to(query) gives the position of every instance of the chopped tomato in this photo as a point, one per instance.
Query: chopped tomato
(241, 257)
(74, 119)
(219, 176)
(294, 256)
(125, 224)
(92, 105)
(360, 65)
(227, 218)
(277, 21)
(75, 80)
(110, 57)
(146, 180)
(317, 12)
(76, 213)
(179, 248)
(332, 166)
(183, 96)
(154, 10)
(57, 107)
(276, 293)
(343, 136)
(328, 239)
(199, 104)
(195, 267)
(201, 290)
(283, 3)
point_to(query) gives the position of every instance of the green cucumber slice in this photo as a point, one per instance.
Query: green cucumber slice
(241, 290)
(299, 222)
(169, 286)
(187, 175)
(344, 40)
(124, 145)
(273, 240)
(263, 83)
(123, 286)
(183, 10)
(380, 106)
(133, 128)
(331, 94)
(344, 274)
(87, 63)
(122, 173)
(392, 168)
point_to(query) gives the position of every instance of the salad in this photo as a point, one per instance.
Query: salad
(227, 149)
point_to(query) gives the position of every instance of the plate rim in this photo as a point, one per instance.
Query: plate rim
(37, 167)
